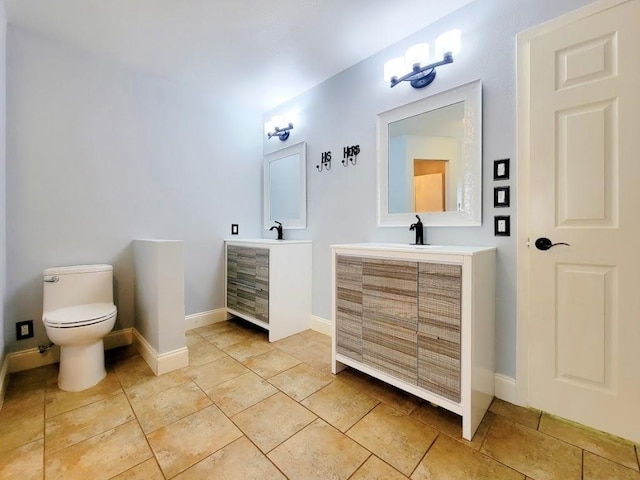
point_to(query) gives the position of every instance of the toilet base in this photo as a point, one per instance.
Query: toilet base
(81, 366)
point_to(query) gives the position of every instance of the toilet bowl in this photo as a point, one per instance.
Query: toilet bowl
(78, 313)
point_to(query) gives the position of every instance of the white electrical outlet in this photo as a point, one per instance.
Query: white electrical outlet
(24, 330)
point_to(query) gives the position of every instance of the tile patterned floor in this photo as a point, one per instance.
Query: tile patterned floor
(249, 409)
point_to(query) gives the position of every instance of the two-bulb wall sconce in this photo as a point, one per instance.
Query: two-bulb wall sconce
(416, 61)
(279, 127)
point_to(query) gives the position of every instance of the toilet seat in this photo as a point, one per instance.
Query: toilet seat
(80, 315)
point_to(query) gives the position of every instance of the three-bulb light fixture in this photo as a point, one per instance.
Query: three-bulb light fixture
(279, 126)
(416, 61)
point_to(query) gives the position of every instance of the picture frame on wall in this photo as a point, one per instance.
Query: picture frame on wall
(501, 169)
(501, 197)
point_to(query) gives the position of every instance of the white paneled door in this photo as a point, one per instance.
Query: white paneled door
(583, 325)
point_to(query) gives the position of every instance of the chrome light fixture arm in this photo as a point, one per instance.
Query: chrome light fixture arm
(420, 77)
(281, 132)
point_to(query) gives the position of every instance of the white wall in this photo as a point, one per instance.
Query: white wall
(3, 131)
(342, 112)
(99, 155)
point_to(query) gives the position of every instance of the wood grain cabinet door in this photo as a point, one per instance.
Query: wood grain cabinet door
(439, 287)
(390, 317)
(349, 306)
(248, 281)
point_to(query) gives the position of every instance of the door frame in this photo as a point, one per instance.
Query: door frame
(523, 91)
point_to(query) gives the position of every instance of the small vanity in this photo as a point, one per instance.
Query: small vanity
(268, 283)
(420, 318)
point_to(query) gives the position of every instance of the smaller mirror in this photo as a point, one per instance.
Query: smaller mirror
(285, 193)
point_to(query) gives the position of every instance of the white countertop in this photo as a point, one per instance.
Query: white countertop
(402, 247)
(264, 241)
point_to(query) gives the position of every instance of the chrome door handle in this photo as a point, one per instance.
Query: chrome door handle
(544, 243)
(53, 279)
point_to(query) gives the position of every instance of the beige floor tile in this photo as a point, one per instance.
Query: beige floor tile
(249, 348)
(77, 425)
(293, 343)
(602, 444)
(376, 469)
(226, 338)
(318, 452)
(395, 398)
(192, 338)
(216, 372)
(454, 461)
(22, 428)
(239, 460)
(533, 453)
(317, 337)
(204, 353)
(58, 401)
(147, 470)
(317, 355)
(273, 420)
(24, 462)
(115, 356)
(214, 328)
(396, 438)
(184, 443)
(271, 363)
(148, 384)
(301, 381)
(340, 404)
(166, 407)
(598, 468)
(25, 390)
(529, 417)
(102, 456)
(451, 424)
(240, 393)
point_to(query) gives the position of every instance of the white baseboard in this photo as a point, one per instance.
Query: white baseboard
(206, 318)
(321, 325)
(506, 390)
(4, 378)
(32, 358)
(160, 363)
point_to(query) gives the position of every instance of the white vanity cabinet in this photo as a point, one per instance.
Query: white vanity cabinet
(420, 318)
(268, 283)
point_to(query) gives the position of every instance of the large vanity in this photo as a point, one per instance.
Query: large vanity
(268, 283)
(420, 318)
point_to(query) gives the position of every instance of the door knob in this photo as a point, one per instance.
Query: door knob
(544, 243)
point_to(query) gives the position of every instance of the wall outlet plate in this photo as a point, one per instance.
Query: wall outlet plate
(234, 229)
(24, 329)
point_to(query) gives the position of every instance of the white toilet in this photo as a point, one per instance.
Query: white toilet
(78, 312)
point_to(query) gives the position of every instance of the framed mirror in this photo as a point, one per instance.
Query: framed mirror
(285, 192)
(430, 160)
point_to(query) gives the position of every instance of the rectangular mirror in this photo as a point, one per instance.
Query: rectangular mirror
(285, 192)
(430, 160)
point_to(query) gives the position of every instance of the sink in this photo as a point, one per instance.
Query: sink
(406, 246)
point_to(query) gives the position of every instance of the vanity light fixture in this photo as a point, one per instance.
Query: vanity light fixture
(278, 127)
(416, 60)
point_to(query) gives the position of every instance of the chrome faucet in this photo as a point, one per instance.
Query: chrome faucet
(279, 229)
(419, 228)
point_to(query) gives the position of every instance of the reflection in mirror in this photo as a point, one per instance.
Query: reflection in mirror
(429, 160)
(285, 187)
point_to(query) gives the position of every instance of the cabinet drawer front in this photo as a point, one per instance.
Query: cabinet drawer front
(391, 349)
(439, 367)
(439, 305)
(349, 306)
(390, 292)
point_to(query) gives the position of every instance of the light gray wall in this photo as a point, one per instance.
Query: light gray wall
(3, 151)
(99, 155)
(342, 112)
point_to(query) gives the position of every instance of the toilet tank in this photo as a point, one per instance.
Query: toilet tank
(76, 285)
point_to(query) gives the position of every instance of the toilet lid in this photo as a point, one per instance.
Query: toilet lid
(79, 315)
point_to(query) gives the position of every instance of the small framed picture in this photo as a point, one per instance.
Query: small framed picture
(502, 226)
(501, 197)
(501, 169)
